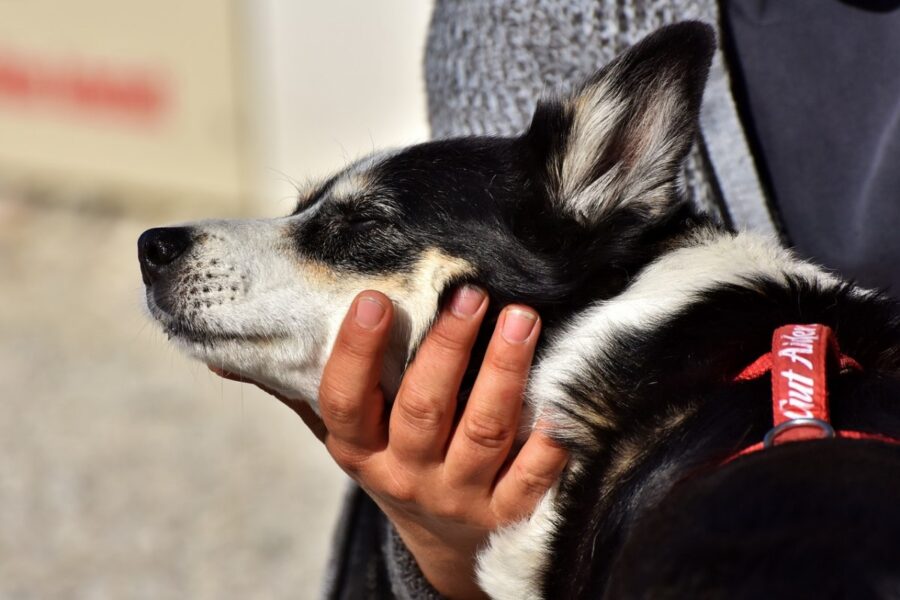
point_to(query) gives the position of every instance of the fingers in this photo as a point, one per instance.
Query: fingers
(488, 427)
(532, 473)
(350, 399)
(422, 416)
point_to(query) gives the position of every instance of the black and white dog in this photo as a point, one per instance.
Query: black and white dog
(650, 313)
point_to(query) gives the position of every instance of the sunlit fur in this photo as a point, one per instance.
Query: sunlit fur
(649, 311)
(246, 302)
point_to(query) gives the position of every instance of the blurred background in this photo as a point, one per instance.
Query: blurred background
(126, 470)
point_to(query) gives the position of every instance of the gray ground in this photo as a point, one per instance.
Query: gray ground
(126, 470)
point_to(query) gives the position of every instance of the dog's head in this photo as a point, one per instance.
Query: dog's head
(561, 215)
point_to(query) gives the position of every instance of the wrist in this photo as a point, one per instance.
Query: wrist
(448, 568)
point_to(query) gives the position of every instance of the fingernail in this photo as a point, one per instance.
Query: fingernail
(518, 325)
(369, 312)
(467, 300)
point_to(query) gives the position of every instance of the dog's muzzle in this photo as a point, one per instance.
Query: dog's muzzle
(159, 250)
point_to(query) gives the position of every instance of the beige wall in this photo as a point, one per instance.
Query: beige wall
(338, 79)
(203, 107)
(131, 102)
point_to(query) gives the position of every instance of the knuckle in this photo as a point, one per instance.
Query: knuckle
(419, 409)
(401, 491)
(448, 339)
(490, 431)
(531, 483)
(510, 363)
(404, 495)
(347, 457)
(452, 508)
(338, 406)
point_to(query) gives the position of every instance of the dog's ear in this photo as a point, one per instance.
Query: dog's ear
(619, 139)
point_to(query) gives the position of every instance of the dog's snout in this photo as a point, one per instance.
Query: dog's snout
(160, 247)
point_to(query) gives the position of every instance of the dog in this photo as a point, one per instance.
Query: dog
(652, 314)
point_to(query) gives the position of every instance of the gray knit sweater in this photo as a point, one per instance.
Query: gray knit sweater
(487, 63)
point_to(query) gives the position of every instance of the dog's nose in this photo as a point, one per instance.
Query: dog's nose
(160, 247)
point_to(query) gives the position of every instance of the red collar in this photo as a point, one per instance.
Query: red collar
(799, 361)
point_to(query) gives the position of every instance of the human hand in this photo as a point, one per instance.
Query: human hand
(444, 485)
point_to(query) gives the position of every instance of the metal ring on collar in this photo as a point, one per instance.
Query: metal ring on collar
(825, 427)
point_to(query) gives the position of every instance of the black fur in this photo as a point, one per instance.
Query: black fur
(687, 367)
(479, 199)
(496, 202)
(812, 520)
(651, 512)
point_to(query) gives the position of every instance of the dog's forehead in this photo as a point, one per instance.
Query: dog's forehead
(357, 180)
(440, 170)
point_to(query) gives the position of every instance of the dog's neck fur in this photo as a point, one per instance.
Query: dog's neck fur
(592, 274)
(625, 381)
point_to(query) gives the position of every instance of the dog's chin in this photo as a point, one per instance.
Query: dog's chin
(265, 361)
(275, 360)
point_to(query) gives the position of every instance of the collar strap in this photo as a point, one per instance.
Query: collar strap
(798, 362)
